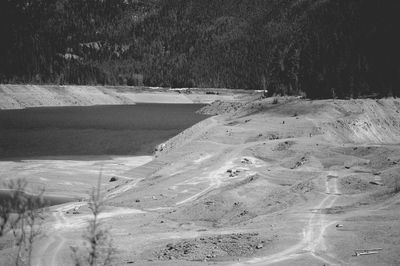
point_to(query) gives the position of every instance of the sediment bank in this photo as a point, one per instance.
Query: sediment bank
(24, 96)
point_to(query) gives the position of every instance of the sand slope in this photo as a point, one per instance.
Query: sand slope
(287, 172)
(22, 96)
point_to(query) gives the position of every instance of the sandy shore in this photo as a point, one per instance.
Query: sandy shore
(23, 96)
(71, 176)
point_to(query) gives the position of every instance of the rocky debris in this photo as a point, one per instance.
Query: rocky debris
(219, 107)
(75, 210)
(229, 171)
(209, 203)
(244, 212)
(357, 183)
(303, 187)
(113, 179)
(282, 146)
(299, 163)
(246, 161)
(273, 136)
(212, 92)
(211, 247)
(160, 147)
(234, 172)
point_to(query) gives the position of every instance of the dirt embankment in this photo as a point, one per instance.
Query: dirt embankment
(346, 121)
(23, 96)
(289, 170)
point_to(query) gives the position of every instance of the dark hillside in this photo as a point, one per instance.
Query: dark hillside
(324, 48)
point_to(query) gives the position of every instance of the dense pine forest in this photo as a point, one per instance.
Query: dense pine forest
(320, 48)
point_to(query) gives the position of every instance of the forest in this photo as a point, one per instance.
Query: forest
(316, 48)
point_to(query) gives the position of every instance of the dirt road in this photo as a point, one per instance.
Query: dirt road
(312, 242)
(58, 233)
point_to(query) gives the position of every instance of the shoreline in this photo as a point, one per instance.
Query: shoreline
(49, 199)
(13, 96)
(71, 158)
(71, 178)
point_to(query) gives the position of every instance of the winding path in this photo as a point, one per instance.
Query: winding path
(312, 242)
(48, 254)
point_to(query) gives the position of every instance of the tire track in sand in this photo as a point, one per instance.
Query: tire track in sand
(312, 242)
(48, 254)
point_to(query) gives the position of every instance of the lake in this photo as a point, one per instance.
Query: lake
(94, 130)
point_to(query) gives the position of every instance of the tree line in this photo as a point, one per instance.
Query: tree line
(320, 48)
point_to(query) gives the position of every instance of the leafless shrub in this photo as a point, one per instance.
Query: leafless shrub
(21, 213)
(100, 250)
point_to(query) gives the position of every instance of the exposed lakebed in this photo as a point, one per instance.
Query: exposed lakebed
(95, 130)
(46, 200)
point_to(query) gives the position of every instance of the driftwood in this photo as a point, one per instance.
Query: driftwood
(371, 251)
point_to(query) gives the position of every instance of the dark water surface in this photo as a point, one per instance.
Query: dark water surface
(94, 130)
